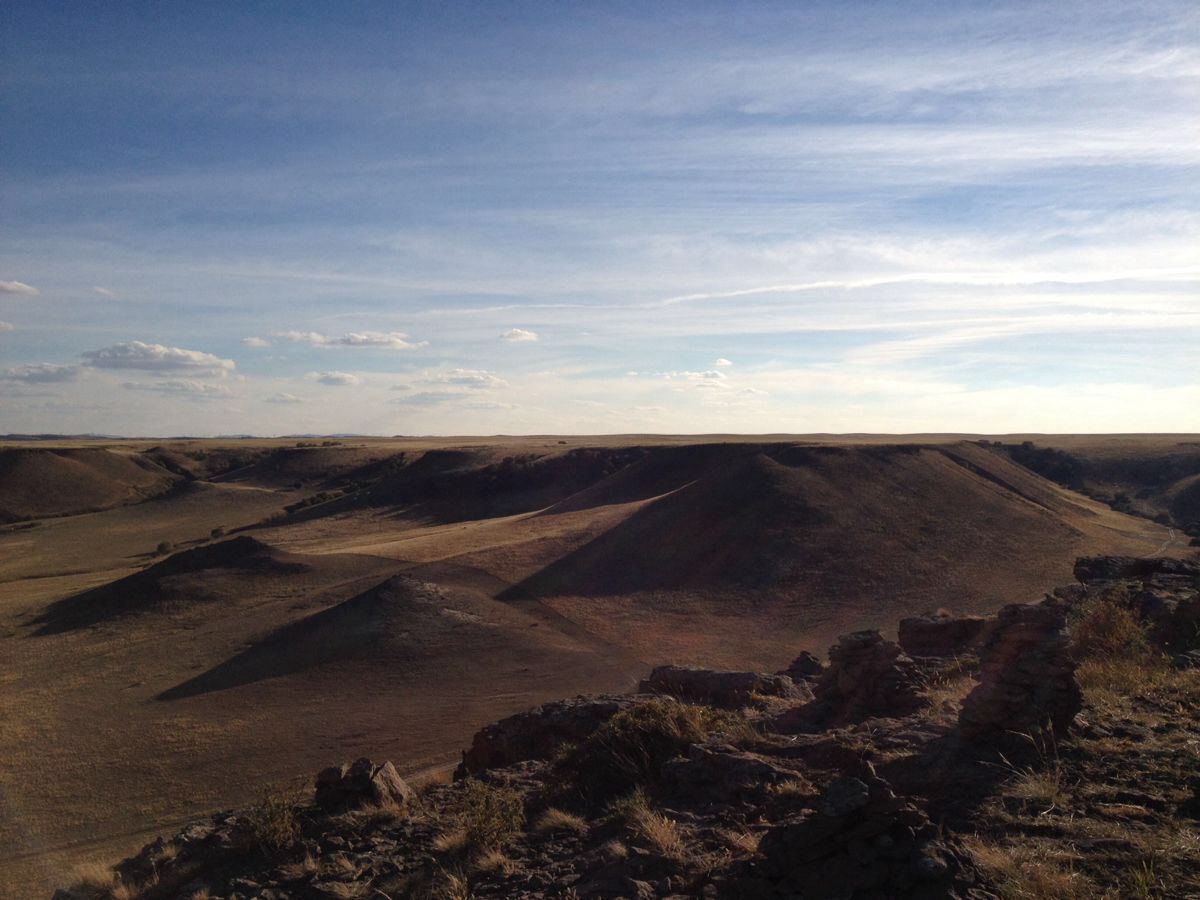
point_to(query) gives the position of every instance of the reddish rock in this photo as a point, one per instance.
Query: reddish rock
(362, 783)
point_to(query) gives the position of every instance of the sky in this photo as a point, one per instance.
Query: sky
(516, 218)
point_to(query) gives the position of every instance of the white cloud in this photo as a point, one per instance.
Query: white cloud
(157, 358)
(723, 363)
(255, 342)
(40, 373)
(105, 292)
(4, 326)
(18, 287)
(515, 335)
(283, 397)
(390, 340)
(429, 398)
(197, 390)
(474, 379)
(334, 379)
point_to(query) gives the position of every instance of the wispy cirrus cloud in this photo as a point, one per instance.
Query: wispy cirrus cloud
(195, 390)
(255, 342)
(283, 397)
(18, 287)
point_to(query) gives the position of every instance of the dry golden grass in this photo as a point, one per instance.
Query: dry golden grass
(794, 788)
(558, 820)
(661, 834)
(274, 825)
(1030, 873)
(492, 861)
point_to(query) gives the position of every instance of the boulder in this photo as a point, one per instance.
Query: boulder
(539, 732)
(940, 634)
(862, 840)
(1027, 676)
(361, 783)
(804, 667)
(869, 677)
(725, 689)
(710, 774)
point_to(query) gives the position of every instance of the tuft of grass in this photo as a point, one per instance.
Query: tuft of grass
(1106, 629)
(1043, 783)
(793, 788)
(493, 861)
(273, 822)
(1108, 679)
(1025, 873)
(553, 820)
(486, 817)
(660, 834)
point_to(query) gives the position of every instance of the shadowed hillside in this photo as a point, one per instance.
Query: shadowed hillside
(398, 623)
(200, 575)
(36, 482)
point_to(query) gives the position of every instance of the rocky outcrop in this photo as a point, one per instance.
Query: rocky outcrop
(359, 784)
(863, 840)
(940, 634)
(729, 690)
(869, 676)
(538, 733)
(1119, 568)
(805, 667)
(722, 774)
(1027, 676)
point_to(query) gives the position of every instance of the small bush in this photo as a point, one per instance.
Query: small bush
(163, 548)
(274, 825)
(1106, 630)
(488, 815)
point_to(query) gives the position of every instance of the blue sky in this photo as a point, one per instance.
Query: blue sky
(520, 218)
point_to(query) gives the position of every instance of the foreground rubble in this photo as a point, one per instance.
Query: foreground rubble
(976, 766)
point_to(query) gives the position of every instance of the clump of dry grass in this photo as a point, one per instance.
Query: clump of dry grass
(1107, 679)
(1043, 783)
(1028, 873)
(792, 788)
(661, 834)
(631, 747)
(486, 817)
(553, 820)
(493, 861)
(273, 821)
(1106, 629)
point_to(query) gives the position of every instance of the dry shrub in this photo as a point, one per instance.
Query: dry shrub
(1103, 629)
(486, 817)
(631, 747)
(273, 822)
(1027, 873)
